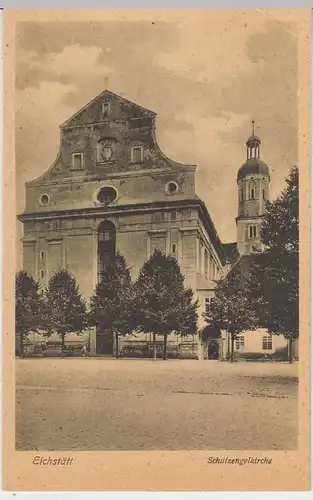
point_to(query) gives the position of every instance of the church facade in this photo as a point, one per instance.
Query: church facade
(112, 189)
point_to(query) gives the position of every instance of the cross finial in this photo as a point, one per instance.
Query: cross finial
(253, 122)
(106, 82)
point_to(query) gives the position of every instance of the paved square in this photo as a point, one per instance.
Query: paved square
(108, 404)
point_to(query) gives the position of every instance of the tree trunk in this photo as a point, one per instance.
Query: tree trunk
(228, 347)
(165, 347)
(63, 343)
(21, 347)
(117, 354)
(154, 348)
(232, 339)
(290, 349)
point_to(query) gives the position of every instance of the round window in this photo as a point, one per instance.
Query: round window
(171, 187)
(44, 200)
(106, 195)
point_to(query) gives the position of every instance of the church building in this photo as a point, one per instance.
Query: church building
(112, 189)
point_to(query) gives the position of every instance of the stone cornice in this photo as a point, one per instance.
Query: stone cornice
(247, 218)
(103, 178)
(195, 203)
(157, 231)
(111, 210)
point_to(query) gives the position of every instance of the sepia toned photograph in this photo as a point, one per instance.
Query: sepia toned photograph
(157, 279)
(157, 224)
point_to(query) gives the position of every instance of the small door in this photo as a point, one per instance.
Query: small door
(213, 350)
(104, 343)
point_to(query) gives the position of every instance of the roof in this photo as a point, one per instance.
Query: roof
(231, 252)
(253, 166)
(253, 138)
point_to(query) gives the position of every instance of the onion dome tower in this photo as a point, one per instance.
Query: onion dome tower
(253, 181)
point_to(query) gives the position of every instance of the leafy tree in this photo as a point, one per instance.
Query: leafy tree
(110, 303)
(65, 305)
(162, 305)
(280, 227)
(29, 307)
(230, 309)
(274, 284)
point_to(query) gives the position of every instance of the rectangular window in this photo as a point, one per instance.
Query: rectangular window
(240, 342)
(173, 215)
(174, 249)
(267, 343)
(207, 303)
(42, 274)
(158, 217)
(252, 231)
(42, 255)
(137, 154)
(105, 108)
(77, 161)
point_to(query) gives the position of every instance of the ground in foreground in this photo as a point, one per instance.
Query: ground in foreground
(104, 404)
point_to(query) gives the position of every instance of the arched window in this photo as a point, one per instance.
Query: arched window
(106, 245)
(252, 194)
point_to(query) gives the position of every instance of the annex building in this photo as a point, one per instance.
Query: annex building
(112, 188)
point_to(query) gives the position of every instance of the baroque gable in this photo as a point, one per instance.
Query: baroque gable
(110, 135)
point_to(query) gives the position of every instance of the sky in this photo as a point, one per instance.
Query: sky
(207, 75)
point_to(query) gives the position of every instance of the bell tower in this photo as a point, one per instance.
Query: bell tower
(253, 192)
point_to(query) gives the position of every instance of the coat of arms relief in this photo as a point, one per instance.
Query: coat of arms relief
(105, 150)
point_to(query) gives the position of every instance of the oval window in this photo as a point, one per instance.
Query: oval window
(44, 199)
(106, 195)
(172, 187)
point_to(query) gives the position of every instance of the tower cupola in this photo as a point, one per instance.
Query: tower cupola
(253, 180)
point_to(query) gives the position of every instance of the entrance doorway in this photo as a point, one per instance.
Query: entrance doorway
(104, 343)
(213, 349)
(211, 338)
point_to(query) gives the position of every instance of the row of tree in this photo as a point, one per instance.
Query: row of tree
(265, 292)
(157, 303)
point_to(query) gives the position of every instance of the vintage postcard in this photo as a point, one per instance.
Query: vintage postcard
(156, 177)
